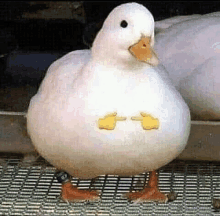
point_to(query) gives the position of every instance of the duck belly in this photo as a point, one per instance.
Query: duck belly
(72, 139)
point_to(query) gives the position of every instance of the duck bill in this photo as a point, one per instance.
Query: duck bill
(143, 51)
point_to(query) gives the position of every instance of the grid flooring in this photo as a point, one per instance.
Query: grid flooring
(32, 189)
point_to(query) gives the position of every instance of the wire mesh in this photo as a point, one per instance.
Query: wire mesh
(32, 189)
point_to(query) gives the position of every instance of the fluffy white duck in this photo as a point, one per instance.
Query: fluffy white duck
(109, 110)
(189, 48)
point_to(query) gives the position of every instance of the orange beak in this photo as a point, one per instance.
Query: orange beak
(143, 51)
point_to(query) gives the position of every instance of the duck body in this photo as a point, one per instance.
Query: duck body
(189, 50)
(63, 117)
(111, 109)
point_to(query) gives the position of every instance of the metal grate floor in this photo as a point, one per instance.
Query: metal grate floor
(34, 190)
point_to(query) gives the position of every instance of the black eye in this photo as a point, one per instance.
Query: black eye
(124, 24)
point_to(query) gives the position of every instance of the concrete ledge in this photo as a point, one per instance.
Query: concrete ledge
(13, 134)
(204, 142)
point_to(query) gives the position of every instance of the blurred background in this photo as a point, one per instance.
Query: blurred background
(35, 33)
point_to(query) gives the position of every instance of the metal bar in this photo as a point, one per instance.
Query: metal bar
(13, 113)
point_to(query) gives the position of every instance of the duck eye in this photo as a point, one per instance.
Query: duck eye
(124, 24)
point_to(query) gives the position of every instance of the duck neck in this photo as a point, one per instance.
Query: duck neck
(120, 61)
(110, 55)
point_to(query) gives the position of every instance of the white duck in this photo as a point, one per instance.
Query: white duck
(189, 48)
(109, 110)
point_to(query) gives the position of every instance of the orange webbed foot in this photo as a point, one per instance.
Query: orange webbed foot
(72, 194)
(150, 193)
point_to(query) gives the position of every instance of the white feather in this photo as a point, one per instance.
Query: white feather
(190, 51)
(85, 85)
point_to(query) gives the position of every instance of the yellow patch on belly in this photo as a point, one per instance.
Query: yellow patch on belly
(109, 121)
(148, 121)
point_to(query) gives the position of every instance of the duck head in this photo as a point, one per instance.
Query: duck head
(127, 36)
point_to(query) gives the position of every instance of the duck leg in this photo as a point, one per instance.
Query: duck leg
(150, 192)
(71, 193)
